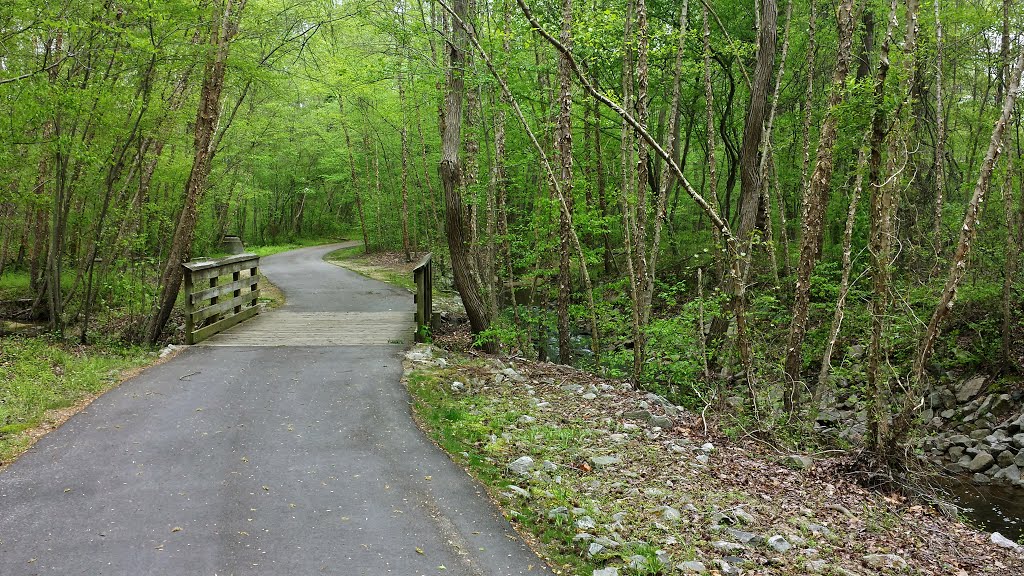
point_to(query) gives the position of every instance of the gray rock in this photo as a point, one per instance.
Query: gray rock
(743, 537)
(961, 440)
(1004, 542)
(1019, 460)
(707, 448)
(1011, 474)
(880, 561)
(1014, 424)
(970, 388)
(670, 514)
(1000, 404)
(856, 352)
(594, 549)
(644, 415)
(559, 512)
(1018, 440)
(980, 433)
(818, 529)
(638, 562)
(589, 396)
(983, 461)
(815, 566)
(513, 375)
(604, 461)
(947, 414)
(1005, 458)
(743, 516)
(779, 544)
(607, 572)
(981, 479)
(798, 461)
(660, 421)
(522, 466)
(518, 490)
(582, 536)
(548, 466)
(726, 547)
(586, 523)
(948, 398)
(606, 542)
(691, 567)
(955, 452)
(703, 459)
(727, 569)
(986, 405)
(526, 419)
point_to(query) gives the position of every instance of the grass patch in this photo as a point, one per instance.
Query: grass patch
(482, 433)
(40, 375)
(270, 249)
(375, 265)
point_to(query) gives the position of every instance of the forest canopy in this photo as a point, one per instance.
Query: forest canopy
(715, 198)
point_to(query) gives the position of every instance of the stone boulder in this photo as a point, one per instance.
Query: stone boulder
(970, 388)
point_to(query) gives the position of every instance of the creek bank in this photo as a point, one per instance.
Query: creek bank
(616, 481)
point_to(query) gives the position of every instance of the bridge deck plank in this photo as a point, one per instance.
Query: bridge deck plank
(281, 328)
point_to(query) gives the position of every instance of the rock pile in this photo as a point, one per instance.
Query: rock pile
(976, 433)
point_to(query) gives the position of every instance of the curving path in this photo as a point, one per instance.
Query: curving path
(265, 459)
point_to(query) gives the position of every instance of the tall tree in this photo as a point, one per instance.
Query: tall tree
(226, 15)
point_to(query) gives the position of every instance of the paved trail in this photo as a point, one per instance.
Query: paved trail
(258, 459)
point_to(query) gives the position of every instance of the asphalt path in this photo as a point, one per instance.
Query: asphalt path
(256, 460)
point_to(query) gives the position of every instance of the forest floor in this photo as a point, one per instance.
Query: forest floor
(606, 479)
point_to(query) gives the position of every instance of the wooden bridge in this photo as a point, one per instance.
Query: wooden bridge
(212, 320)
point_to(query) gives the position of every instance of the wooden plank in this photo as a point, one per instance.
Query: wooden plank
(221, 325)
(423, 261)
(189, 324)
(222, 307)
(199, 265)
(222, 270)
(224, 289)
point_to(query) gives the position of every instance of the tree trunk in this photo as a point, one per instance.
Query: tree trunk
(1012, 262)
(883, 211)
(354, 183)
(940, 139)
(564, 147)
(754, 127)
(227, 14)
(451, 178)
(406, 245)
(844, 283)
(815, 201)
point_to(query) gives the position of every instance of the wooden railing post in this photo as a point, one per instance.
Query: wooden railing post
(190, 326)
(218, 305)
(423, 276)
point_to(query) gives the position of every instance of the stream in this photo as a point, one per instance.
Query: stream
(990, 508)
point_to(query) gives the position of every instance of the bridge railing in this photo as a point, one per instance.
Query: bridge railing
(423, 276)
(213, 305)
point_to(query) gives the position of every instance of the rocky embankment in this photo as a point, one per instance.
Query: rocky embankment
(977, 433)
(615, 481)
